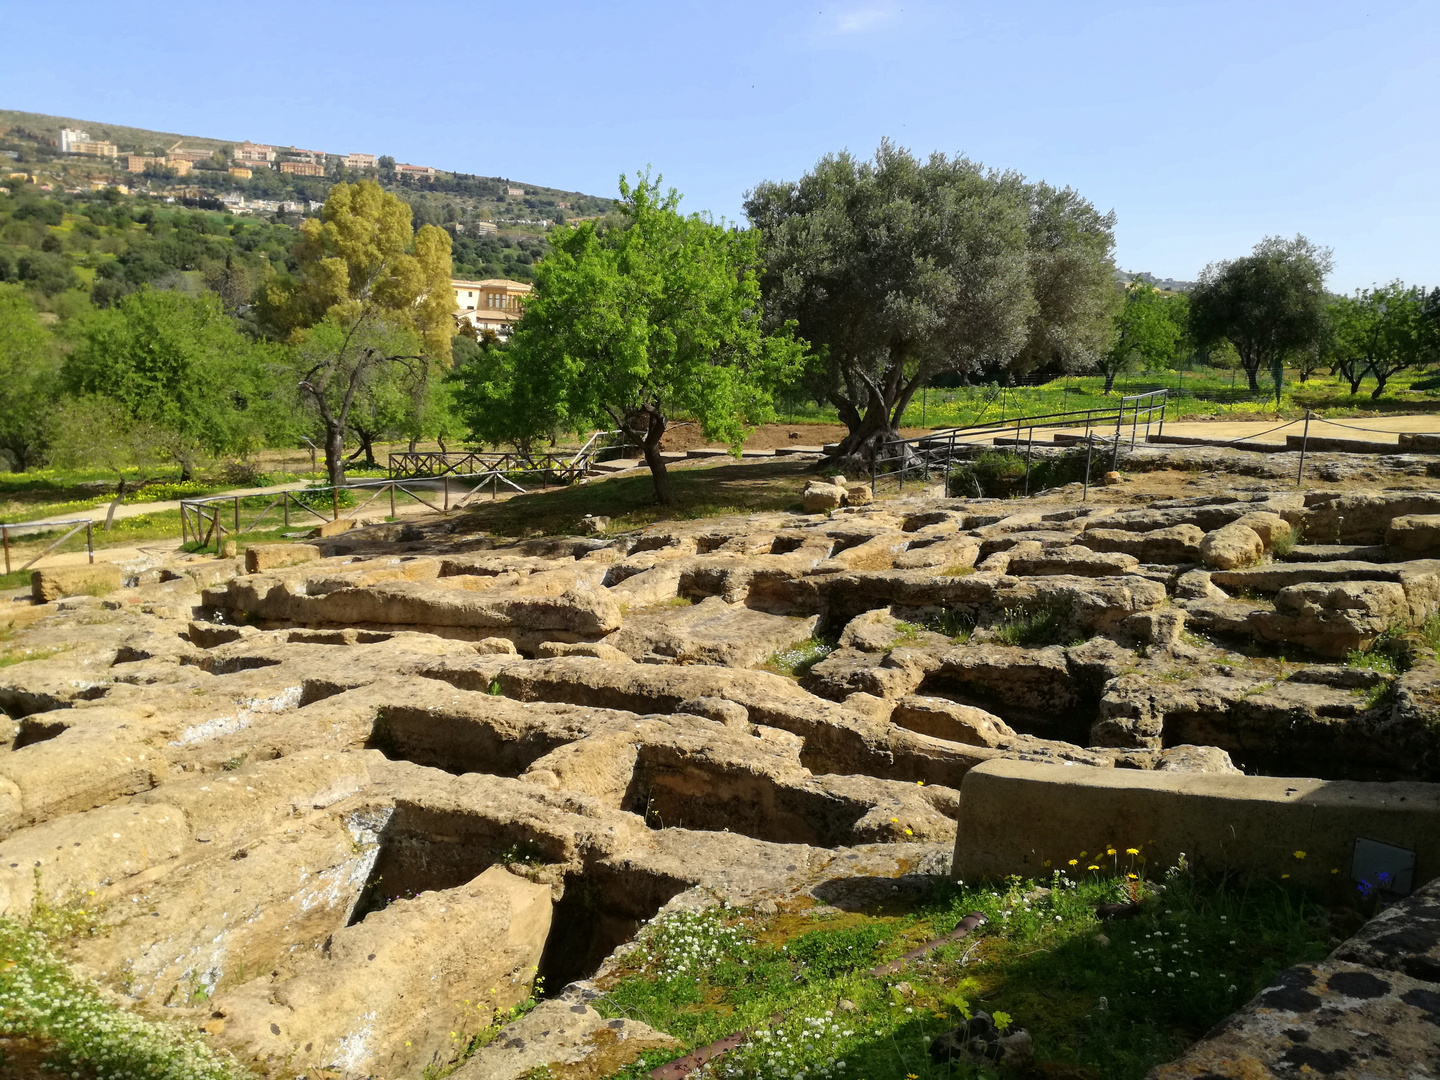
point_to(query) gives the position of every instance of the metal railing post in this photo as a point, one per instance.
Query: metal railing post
(5, 533)
(285, 507)
(1029, 450)
(392, 498)
(1304, 444)
(237, 513)
(90, 540)
(1089, 450)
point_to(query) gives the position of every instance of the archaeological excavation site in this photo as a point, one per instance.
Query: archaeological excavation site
(419, 800)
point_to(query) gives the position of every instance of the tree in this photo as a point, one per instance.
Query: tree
(629, 325)
(1269, 304)
(369, 293)
(897, 270)
(29, 370)
(178, 367)
(1380, 332)
(1145, 331)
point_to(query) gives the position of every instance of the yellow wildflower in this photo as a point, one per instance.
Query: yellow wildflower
(1299, 854)
(1132, 851)
(1074, 862)
(1092, 867)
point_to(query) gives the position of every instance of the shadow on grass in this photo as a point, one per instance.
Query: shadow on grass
(700, 491)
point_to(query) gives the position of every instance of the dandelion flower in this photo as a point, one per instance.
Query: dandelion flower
(894, 821)
(1074, 862)
(1092, 866)
(908, 832)
(1284, 875)
(1299, 854)
(1109, 851)
(1132, 851)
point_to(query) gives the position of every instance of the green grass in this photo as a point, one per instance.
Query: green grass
(1033, 628)
(10, 659)
(988, 404)
(700, 491)
(954, 625)
(1116, 998)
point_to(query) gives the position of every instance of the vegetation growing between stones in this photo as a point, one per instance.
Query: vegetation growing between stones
(1116, 998)
(1037, 627)
(1000, 474)
(800, 658)
(85, 1034)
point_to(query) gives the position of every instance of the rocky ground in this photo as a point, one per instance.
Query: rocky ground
(337, 802)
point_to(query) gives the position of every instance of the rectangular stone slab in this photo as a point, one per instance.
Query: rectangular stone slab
(1014, 816)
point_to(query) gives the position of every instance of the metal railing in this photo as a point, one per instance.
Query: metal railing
(210, 518)
(557, 467)
(1104, 426)
(7, 531)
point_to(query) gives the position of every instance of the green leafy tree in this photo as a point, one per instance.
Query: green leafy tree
(29, 379)
(1380, 332)
(1269, 304)
(1147, 333)
(370, 293)
(180, 368)
(897, 270)
(656, 317)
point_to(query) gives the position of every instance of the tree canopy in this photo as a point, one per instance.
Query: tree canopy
(631, 323)
(1269, 304)
(380, 291)
(896, 270)
(1382, 331)
(29, 365)
(178, 366)
(1148, 329)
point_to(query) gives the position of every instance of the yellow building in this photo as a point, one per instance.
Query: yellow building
(302, 168)
(240, 172)
(96, 149)
(140, 162)
(180, 165)
(492, 304)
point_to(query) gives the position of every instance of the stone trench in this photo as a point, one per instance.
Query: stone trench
(336, 801)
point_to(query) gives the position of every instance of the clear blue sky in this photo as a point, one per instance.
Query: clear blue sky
(1205, 126)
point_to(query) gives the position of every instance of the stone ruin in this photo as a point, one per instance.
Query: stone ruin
(339, 801)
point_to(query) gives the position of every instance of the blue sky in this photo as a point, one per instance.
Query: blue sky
(1205, 126)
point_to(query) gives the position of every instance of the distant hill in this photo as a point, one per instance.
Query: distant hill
(476, 197)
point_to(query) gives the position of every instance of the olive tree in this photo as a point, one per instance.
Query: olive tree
(896, 270)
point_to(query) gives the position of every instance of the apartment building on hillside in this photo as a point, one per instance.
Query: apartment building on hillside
(313, 157)
(492, 304)
(74, 141)
(248, 153)
(360, 161)
(416, 172)
(302, 168)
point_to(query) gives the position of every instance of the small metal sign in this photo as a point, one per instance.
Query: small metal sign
(1382, 867)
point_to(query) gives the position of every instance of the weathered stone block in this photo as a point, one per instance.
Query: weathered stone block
(262, 557)
(54, 583)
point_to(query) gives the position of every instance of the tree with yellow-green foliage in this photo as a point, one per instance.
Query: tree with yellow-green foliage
(370, 302)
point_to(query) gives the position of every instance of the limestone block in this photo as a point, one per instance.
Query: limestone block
(93, 580)
(1176, 544)
(1232, 546)
(1197, 585)
(1325, 1019)
(83, 852)
(1415, 534)
(821, 495)
(858, 495)
(1271, 528)
(1076, 560)
(561, 1032)
(950, 720)
(1333, 619)
(384, 996)
(1251, 825)
(947, 555)
(78, 770)
(1203, 759)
